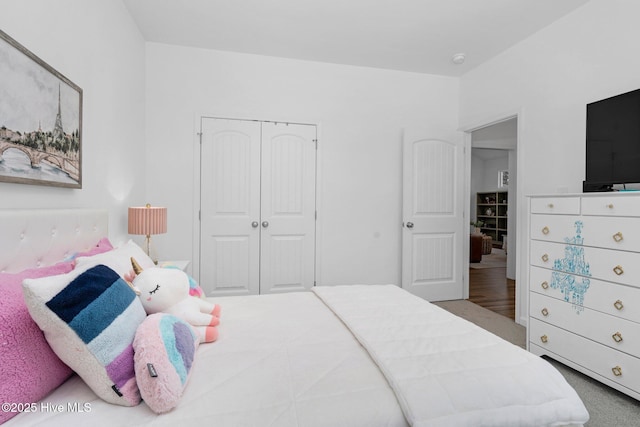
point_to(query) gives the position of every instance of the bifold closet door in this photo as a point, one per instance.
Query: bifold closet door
(257, 232)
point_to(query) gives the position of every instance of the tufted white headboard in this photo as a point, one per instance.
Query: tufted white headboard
(32, 238)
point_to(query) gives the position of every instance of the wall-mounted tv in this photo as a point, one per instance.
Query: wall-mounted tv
(613, 142)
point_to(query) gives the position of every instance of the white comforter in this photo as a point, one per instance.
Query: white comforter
(281, 360)
(288, 360)
(447, 371)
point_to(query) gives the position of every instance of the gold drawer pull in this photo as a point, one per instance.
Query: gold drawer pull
(545, 312)
(550, 205)
(545, 285)
(610, 205)
(545, 257)
(618, 304)
(544, 339)
(617, 337)
(617, 371)
(545, 230)
(617, 237)
(618, 270)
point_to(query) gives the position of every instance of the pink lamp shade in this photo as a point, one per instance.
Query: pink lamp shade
(147, 220)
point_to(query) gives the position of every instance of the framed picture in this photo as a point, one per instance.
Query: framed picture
(503, 179)
(40, 121)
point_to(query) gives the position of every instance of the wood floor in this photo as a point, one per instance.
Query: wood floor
(490, 288)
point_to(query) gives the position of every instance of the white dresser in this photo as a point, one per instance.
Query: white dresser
(584, 284)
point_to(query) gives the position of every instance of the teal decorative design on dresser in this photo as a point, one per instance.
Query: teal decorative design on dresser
(567, 269)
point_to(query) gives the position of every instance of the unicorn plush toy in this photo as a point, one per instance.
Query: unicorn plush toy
(167, 290)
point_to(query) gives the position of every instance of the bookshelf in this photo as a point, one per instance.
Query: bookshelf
(491, 208)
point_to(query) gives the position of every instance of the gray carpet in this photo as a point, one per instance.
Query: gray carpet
(607, 407)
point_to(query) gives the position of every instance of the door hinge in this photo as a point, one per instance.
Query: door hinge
(316, 215)
(316, 141)
(314, 283)
(199, 215)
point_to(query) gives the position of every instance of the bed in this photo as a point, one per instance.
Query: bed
(337, 356)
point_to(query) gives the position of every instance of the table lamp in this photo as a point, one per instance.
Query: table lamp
(147, 221)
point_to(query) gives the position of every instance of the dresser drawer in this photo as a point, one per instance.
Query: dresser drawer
(603, 232)
(612, 233)
(591, 355)
(553, 228)
(611, 331)
(605, 264)
(617, 300)
(612, 205)
(556, 205)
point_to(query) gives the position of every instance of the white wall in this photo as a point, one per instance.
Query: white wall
(96, 45)
(549, 78)
(361, 113)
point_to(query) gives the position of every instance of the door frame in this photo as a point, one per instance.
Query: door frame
(195, 212)
(521, 297)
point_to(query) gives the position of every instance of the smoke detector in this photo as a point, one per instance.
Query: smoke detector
(458, 58)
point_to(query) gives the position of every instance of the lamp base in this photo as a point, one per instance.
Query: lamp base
(148, 250)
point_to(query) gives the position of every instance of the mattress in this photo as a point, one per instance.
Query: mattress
(342, 356)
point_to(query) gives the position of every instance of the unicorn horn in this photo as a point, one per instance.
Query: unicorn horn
(136, 266)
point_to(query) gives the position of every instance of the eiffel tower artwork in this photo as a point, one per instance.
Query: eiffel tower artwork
(574, 285)
(58, 131)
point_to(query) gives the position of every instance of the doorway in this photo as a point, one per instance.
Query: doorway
(493, 204)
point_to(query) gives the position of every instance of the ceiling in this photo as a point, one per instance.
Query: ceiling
(408, 35)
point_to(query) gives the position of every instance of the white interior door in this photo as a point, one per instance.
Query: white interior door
(433, 223)
(258, 210)
(230, 207)
(287, 256)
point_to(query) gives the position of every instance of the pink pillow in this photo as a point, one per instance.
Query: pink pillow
(164, 351)
(104, 245)
(30, 367)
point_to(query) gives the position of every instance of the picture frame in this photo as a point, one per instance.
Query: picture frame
(40, 120)
(503, 178)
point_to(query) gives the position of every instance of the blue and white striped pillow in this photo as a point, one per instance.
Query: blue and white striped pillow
(89, 319)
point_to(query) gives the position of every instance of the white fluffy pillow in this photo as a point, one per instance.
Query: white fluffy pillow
(89, 318)
(119, 259)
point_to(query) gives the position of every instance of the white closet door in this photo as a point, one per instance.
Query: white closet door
(230, 207)
(432, 239)
(288, 222)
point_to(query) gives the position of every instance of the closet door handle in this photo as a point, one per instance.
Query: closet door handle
(255, 224)
(265, 224)
(409, 225)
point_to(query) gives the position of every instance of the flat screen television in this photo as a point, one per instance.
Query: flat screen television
(613, 142)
